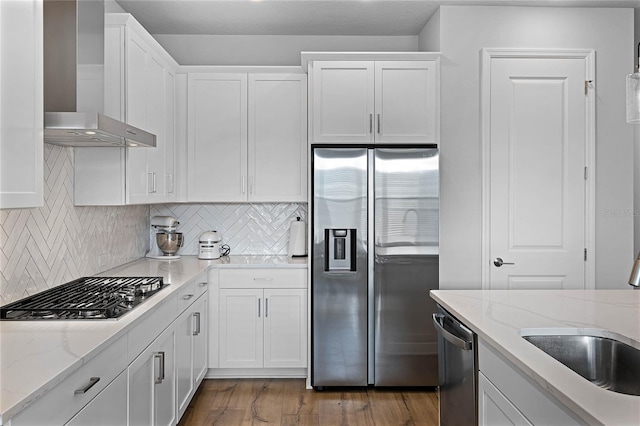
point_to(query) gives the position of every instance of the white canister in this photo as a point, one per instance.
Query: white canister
(209, 245)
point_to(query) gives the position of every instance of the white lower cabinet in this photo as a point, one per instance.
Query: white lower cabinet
(507, 396)
(147, 376)
(264, 328)
(191, 351)
(152, 383)
(262, 317)
(494, 408)
(108, 408)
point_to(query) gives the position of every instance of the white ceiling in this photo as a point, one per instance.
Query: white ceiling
(309, 17)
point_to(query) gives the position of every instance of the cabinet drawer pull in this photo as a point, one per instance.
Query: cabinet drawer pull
(92, 383)
(160, 377)
(263, 279)
(187, 296)
(204, 284)
(196, 315)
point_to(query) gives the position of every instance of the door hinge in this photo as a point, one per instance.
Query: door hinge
(586, 86)
(586, 173)
(585, 254)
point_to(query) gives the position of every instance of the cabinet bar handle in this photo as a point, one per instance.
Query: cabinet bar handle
(266, 307)
(170, 184)
(154, 183)
(258, 307)
(263, 279)
(379, 129)
(187, 296)
(92, 383)
(196, 315)
(370, 123)
(160, 377)
(243, 179)
(203, 284)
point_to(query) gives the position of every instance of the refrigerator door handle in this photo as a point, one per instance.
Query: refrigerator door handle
(371, 302)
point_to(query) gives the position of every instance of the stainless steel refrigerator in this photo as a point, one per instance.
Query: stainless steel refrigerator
(375, 215)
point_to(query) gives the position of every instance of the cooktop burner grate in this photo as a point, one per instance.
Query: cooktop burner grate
(85, 298)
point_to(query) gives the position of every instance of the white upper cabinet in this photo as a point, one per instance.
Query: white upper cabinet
(246, 137)
(217, 137)
(343, 101)
(140, 90)
(21, 104)
(374, 101)
(277, 151)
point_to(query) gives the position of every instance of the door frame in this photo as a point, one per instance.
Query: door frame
(487, 54)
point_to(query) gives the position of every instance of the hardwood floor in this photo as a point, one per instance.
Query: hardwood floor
(287, 402)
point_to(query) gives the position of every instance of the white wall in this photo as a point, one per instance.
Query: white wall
(464, 31)
(189, 49)
(636, 162)
(429, 37)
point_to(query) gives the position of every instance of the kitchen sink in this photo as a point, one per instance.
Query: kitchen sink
(604, 361)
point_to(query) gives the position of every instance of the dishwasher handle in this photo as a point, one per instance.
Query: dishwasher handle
(450, 337)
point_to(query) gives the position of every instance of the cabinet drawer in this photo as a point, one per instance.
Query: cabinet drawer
(186, 296)
(263, 278)
(66, 399)
(150, 327)
(201, 283)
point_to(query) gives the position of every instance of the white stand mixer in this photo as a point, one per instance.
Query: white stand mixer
(168, 241)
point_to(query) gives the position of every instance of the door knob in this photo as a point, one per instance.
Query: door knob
(499, 262)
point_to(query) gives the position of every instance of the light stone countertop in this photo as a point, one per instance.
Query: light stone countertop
(37, 355)
(497, 316)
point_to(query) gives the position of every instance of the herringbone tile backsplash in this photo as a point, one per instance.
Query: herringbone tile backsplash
(44, 247)
(246, 228)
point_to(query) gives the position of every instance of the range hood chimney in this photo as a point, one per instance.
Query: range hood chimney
(74, 79)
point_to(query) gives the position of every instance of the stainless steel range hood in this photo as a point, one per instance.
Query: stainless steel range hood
(74, 79)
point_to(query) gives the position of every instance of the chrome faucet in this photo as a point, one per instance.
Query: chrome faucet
(634, 279)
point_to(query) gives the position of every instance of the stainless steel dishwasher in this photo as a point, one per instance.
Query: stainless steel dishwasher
(457, 371)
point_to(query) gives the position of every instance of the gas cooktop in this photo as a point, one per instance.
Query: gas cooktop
(87, 298)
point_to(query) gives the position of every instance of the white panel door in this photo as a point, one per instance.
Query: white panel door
(494, 408)
(200, 340)
(406, 101)
(184, 360)
(538, 111)
(343, 101)
(285, 328)
(156, 124)
(136, 115)
(217, 137)
(169, 132)
(21, 104)
(277, 137)
(241, 328)
(152, 383)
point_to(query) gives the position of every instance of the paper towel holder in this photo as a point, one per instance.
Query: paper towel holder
(298, 238)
